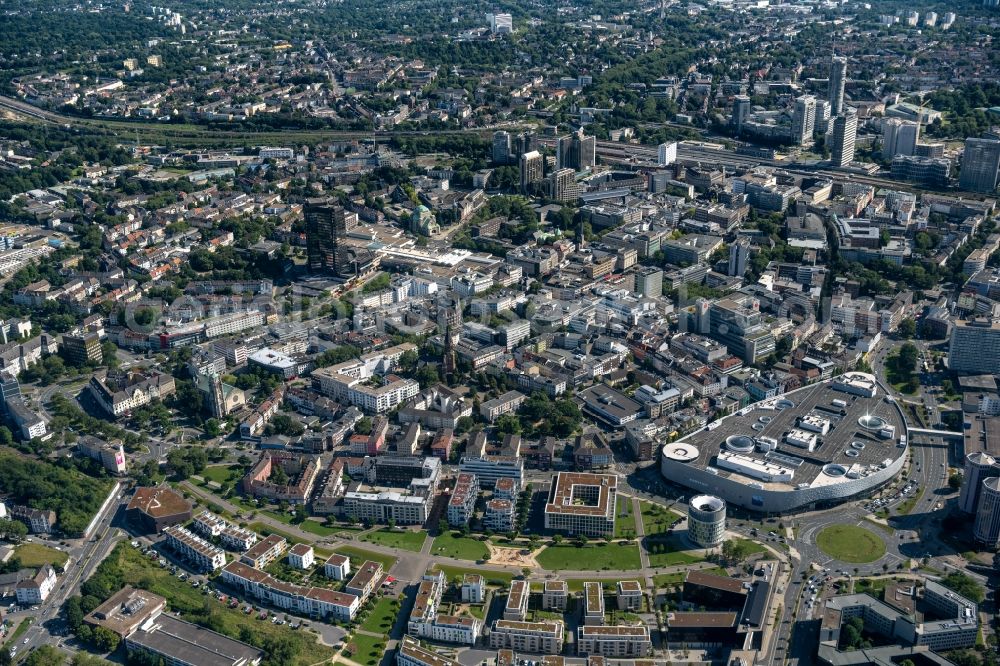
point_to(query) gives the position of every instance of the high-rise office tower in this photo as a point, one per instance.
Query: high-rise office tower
(979, 466)
(532, 168)
(845, 131)
(576, 151)
(838, 76)
(741, 112)
(649, 282)
(501, 24)
(899, 137)
(501, 147)
(327, 225)
(975, 347)
(822, 124)
(525, 142)
(803, 119)
(986, 530)
(666, 154)
(739, 252)
(980, 165)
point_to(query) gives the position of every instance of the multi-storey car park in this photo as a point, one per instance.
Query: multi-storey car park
(812, 447)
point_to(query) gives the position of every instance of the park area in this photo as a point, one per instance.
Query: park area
(591, 557)
(850, 543)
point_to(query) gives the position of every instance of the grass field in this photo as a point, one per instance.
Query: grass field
(501, 578)
(576, 584)
(656, 518)
(359, 555)
(134, 569)
(367, 650)
(590, 557)
(380, 620)
(265, 529)
(221, 474)
(849, 543)
(673, 553)
(35, 555)
(404, 539)
(624, 519)
(450, 544)
(872, 586)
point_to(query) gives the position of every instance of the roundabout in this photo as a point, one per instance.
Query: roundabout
(849, 543)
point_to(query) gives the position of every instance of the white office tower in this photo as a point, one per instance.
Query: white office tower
(666, 153)
(822, 124)
(845, 131)
(987, 528)
(978, 467)
(899, 137)
(948, 20)
(532, 169)
(838, 77)
(803, 119)
(738, 254)
(501, 24)
(930, 19)
(707, 520)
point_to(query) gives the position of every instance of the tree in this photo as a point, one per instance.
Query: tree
(13, 530)
(212, 428)
(364, 426)
(964, 585)
(907, 328)
(105, 640)
(46, 655)
(955, 481)
(509, 424)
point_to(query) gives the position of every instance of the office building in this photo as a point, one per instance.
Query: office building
(562, 185)
(501, 147)
(83, 349)
(737, 323)
(111, 455)
(899, 137)
(931, 171)
(155, 508)
(987, 526)
(501, 24)
(327, 226)
(168, 640)
(741, 113)
(979, 466)
(576, 151)
(532, 170)
(707, 520)
(845, 130)
(975, 347)
(666, 154)
(739, 252)
(980, 165)
(582, 503)
(803, 119)
(649, 282)
(838, 77)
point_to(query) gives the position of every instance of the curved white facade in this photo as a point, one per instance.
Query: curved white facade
(745, 459)
(987, 527)
(707, 520)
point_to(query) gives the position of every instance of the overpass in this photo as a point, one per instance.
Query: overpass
(947, 434)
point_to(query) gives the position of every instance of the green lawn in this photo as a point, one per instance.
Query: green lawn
(380, 620)
(221, 474)
(671, 552)
(404, 539)
(849, 543)
(359, 555)
(21, 628)
(368, 650)
(872, 586)
(126, 565)
(624, 519)
(35, 555)
(265, 529)
(576, 584)
(455, 574)
(656, 518)
(590, 557)
(451, 544)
